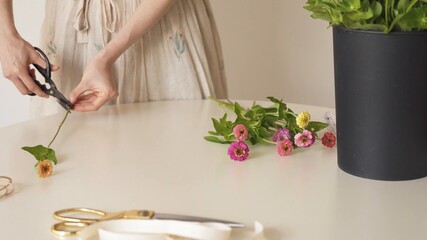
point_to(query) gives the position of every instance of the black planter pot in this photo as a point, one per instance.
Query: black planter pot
(381, 103)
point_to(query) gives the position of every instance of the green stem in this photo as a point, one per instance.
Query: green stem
(386, 12)
(268, 141)
(59, 128)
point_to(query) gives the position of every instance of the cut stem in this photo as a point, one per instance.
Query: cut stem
(59, 128)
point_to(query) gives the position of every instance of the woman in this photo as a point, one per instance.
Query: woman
(119, 51)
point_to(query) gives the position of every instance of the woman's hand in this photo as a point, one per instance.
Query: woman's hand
(96, 87)
(16, 55)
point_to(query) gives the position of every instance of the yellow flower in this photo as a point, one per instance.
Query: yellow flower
(45, 168)
(303, 119)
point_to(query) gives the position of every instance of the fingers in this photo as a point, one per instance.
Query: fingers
(28, 81)
(32, 72)
(78, 91)
(24, 82)
(88, 102)
(96, 87)
(84, 99)
(20, 86)
(92, 101)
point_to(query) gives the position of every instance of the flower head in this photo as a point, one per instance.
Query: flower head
(281, 134)
(332, 122)
(238, 151)
(45, 168)
(304, 139)
(285, 147)
(240, 132)
(303, 119)
(329, 140)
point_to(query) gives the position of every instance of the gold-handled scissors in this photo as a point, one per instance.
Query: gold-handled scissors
(6, 186)
(72, 221)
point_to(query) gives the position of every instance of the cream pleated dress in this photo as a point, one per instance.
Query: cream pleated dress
(179, 58)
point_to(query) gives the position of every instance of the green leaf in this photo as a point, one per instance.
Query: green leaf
(220, 129)
(414, 19)
(227, 104)
(51, 155)
(360, 15)
(239, 110)
(377, 9)
(402, 5)
(223, 120)
(264, 133)
(213, 133)
(41, 153)
(216, 140)
(314, 126)
(374, 27)
(279, 102)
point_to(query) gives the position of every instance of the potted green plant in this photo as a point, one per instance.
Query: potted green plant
(380, 64)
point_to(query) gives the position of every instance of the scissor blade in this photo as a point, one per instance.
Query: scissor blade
(166, 216)
(63, 101)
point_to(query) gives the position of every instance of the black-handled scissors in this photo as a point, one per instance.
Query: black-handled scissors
(49, 87)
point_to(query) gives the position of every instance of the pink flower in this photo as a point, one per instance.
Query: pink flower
(329, 140)
(240, 132)
(238, 151)
(304, 139)
(281, 134)
(285, 147)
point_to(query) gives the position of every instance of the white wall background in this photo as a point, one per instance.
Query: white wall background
(274, 48)
(271, 48)
(28, 19)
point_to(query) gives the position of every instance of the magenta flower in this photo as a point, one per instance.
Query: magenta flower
(285, 147)
(304, 139)
(240, 132)
(238, 151)
(281, 134)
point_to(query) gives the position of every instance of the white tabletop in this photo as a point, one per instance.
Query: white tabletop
(153, 156)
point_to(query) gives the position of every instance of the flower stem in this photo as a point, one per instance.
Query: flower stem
(59, 128)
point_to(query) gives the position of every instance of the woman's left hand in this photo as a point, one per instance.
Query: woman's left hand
(96, 87)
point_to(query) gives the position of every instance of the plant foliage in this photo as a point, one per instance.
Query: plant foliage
(376, 15)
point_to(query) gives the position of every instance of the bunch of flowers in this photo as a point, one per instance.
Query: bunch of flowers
(276, 125)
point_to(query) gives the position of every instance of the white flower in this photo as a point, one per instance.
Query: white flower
(331, 120)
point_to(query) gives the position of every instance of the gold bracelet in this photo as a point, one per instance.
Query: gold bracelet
(6, 186)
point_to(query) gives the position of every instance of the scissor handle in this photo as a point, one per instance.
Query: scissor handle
(46, 72)
(64, 215)
(68, 229)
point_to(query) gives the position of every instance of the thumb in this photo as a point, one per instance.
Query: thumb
(77, 92)
(36, 58)
(54, 67)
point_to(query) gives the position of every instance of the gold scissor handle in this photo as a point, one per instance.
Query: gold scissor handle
(63, 215)
(68, 229)
(6, 186)
(138, 214)
(71, 225)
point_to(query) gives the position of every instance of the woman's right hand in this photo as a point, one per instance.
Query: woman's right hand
(16, 55)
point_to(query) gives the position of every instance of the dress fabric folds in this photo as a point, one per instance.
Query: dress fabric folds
(179, 58)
